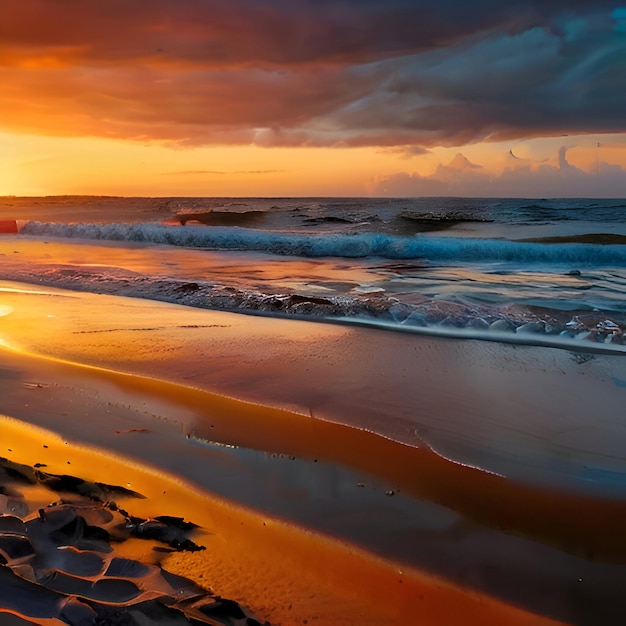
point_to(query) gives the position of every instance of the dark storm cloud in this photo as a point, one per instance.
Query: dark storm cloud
(313, 72)
(535, 82)
(282, 31)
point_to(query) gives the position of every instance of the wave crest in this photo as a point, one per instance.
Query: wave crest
(340, 245)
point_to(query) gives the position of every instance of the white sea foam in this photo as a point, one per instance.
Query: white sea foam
(341, 245)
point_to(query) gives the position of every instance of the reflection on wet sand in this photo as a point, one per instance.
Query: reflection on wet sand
(398, 530)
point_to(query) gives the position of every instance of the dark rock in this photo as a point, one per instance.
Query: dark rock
(187, 287)
(223, 609)
(127, 568)
(77, 613)
(171, 534)
(532, 328)
(15, 547)
(80, 562)
(11, 524)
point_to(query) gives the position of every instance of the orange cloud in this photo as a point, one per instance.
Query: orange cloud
(518, 178)
(311, 73)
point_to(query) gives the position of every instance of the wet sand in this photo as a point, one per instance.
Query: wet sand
(306, 513)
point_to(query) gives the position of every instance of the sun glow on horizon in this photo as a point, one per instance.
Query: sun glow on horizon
(42, 165)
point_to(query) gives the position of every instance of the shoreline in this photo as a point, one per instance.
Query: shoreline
(390, 384)
(83, 265)
(441, 512)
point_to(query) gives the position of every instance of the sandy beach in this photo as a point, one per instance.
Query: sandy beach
(312, 313)
(332, 502)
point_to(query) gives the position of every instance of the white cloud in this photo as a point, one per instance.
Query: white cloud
(519, 178)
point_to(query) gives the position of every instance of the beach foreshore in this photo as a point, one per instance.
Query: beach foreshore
(278, 440)
(284, 573)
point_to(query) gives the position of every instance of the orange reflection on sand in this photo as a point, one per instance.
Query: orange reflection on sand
(277, 569)
(255, 558)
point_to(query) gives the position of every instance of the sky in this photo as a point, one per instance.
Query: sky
(313, 98)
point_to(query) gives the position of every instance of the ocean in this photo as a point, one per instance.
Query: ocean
(436, 382)
(505, 269)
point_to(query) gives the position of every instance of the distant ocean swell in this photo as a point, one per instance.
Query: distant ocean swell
(341, 245)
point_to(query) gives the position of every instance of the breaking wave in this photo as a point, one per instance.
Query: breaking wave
(340, 245)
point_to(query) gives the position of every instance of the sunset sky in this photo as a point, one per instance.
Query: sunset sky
(313, 97)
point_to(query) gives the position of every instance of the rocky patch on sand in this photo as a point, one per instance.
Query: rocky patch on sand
(63, 560)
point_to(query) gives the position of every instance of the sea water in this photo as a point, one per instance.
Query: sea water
(547, 268)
